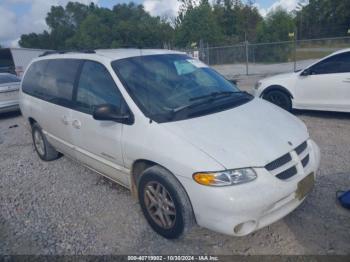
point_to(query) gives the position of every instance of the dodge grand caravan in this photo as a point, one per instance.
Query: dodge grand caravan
(188, 143)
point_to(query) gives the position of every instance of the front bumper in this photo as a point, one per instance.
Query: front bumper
(242, 209)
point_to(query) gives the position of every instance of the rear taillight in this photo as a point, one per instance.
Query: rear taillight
(19, 71)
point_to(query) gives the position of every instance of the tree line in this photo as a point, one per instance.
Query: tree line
(222, 22)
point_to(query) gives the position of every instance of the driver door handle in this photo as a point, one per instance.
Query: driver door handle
(76, 124)
(347, 80)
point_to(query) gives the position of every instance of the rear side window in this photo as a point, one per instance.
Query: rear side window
(96, 87)
(52, 80)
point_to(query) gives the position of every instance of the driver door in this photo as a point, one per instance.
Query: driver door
(326, 85)
(98, 143)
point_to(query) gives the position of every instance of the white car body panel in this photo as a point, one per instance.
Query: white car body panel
(230, 143)
(250, 135)
(329, 92)
(9, 96)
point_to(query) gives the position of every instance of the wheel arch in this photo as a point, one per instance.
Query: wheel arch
(277, 87)
(141, 165)
(31, 121)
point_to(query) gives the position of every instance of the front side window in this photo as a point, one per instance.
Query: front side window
(335, 64)
(174, 87)
(96, 87)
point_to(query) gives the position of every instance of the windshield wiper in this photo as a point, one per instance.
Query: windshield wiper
(214, 95)
(210, 98)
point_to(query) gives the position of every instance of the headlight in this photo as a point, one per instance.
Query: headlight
(225, 178)
(257, 85)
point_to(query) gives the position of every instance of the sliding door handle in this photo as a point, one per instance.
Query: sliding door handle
(65, 120)
(76, 124)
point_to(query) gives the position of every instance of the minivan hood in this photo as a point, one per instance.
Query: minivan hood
(251, 135)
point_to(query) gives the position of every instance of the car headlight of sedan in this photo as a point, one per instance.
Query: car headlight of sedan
(226, 177)
(257, 85)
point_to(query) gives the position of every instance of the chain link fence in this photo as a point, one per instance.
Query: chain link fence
(268, 58)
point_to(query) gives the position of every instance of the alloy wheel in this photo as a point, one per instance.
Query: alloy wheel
(39, 143)
(160, 205)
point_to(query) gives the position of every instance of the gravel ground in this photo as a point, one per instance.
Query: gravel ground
(61, 207)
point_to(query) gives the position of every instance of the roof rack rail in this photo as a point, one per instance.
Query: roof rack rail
(67, 51)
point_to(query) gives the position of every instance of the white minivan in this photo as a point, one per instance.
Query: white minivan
(188, 143)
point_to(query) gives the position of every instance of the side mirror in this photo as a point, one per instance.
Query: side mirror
(233, 81)
(111, 113)
(306, 72)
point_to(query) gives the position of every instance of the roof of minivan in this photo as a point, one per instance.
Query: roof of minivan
(124, 53)
(111, 54)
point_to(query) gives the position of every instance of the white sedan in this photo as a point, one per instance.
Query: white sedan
(324, 85)
(9, 86)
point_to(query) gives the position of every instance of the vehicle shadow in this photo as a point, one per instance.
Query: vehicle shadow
(322, 114)
(8, 115)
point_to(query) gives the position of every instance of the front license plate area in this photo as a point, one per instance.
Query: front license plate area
(305, 186)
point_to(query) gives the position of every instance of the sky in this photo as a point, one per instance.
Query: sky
(19, 17)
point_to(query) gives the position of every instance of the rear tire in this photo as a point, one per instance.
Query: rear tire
(164, 203)
(279, 98)
(43, 148)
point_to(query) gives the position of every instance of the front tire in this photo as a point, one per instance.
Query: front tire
(43, 148)
(280, 99)
(164, 203)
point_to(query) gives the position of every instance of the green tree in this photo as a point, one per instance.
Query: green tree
(62, 22)
(137, 28)
(248, 20)
(323, 18)
(237, 20)
(197, 23)
(34, 40)
(79, 26)
(275, 28)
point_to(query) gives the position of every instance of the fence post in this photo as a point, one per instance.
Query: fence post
(208, 54)
(247, 57)
(295, 49)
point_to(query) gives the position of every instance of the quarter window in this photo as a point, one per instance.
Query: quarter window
(52, 80)
(336, 64)
(96, 87)
(33, 79)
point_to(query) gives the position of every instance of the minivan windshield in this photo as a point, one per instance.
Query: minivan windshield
(174, 87)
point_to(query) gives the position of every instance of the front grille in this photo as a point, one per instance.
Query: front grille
(305, 161)
(300, 149)
(288, 173)
(285, 166)
(279, 162)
